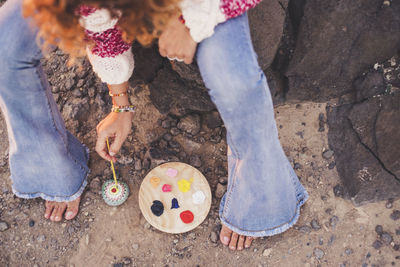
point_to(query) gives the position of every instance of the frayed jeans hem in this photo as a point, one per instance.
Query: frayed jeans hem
(302, 198)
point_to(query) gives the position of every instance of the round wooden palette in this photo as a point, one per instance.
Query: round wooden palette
(179, 181)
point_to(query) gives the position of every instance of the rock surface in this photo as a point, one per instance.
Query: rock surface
(354, 43)
(365, 140)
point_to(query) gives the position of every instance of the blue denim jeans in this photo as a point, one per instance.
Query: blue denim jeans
(45, 159)
(264, 194)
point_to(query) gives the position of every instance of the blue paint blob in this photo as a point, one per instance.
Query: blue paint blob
(175, 204)
(157, 208)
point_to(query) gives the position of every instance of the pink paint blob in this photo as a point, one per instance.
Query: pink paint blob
(172, 172)
(166, 188)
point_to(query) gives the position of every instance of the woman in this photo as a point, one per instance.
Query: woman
(264, 194)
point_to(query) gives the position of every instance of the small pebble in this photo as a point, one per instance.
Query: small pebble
(315, 225)
(398, 231)
(379, 229)
(167, 137)
(297, 166)
(377, 244)
(223, 180)
(214, 237)
(319, 253)
(333, 221)
(138, 164)
(389, 203)
(267, 252)
(327, 154)
(41, 238)
(135, 246)
(386, 238)
(195, 161)
(348, 251)
(3, 226)
(332, 165)
(395, 215)
(220, 190)
(331, 240)
(338, 190)
(305, 229)
(31, 223)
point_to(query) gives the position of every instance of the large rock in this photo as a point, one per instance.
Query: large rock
(170, 95)
(365, 138)
(336, 41)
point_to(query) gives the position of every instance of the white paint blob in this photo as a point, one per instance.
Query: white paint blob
(198, 197)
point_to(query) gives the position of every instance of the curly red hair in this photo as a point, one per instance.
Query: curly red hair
(58, 20)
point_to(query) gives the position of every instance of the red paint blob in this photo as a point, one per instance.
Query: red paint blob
(187, 216)
(113, 190)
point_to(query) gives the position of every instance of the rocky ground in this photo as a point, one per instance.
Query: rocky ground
(330, 232)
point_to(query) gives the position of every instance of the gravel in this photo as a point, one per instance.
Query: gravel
(267, 252)
(395, 215)
(348, 251)
(220, 190)
(315, 225)
(379, 229)
(327, 154)
(305, 229)
(190, 124)
(333, 221)
(338, 190)
(3, 226)
(214, 237)
(319, 253)
(377, 244)
(195, 161)
(386, 238)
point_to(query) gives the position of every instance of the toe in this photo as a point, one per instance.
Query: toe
(59, 212)
(248, 241)
(240, 243)
(53, 213)
(72, 209)
(234, 240)
(225, 235)
(49, 208)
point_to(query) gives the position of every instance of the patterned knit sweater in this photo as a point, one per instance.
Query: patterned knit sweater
(112, 58)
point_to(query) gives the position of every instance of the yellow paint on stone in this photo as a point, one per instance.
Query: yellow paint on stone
(184, 185)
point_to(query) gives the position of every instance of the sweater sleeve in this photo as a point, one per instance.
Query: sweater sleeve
(201, 16)
(110, 56)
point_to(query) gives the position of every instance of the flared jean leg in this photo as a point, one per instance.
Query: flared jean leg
(45, 159)
(264, 195)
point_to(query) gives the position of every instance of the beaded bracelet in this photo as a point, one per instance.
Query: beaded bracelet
(118, 109)
(119, 94)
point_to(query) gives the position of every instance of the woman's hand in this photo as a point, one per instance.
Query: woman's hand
(117, 126)
(176, 42)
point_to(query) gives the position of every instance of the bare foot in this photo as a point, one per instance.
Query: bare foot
(54, 210)
(234, 240)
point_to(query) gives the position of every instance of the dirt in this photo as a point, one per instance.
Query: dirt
(330, 232)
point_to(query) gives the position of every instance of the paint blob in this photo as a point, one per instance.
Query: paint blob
(157, 208)
(187, 216)
(198, 197)
(184, 185)
(166, 188)
(155, 181)
(174, 204)
(172, 172)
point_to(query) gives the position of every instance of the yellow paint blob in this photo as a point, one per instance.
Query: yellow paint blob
(155, 181)
(184, 185)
